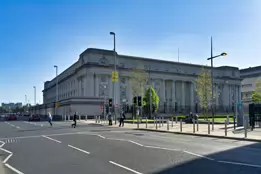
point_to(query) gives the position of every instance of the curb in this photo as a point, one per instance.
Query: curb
(200, 135)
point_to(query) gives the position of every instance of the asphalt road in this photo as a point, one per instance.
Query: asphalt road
(37, 148)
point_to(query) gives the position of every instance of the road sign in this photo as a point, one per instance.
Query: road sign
(101, 107)
(116, 106)
(57, 105)
(115, 76)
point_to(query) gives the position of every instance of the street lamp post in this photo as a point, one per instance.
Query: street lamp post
(34, 95)
(114, 83)
(56, 100)
(212, 81)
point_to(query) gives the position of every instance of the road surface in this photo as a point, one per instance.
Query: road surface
(30, 148)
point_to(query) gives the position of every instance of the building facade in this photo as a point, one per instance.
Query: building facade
(85, 85)
(12, 105)
(250, 77)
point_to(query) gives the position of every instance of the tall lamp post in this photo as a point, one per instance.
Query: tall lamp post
(34, 95)
(115, 81)
(212, 80)
(56, 100)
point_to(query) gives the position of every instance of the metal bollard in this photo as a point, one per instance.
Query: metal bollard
(245, 125)
(172, 122)
(197, 124)
(160, 122)
(138, 123)
(85, 117)
(208, 127)
(156, 123)
(180, 125)
(95, 119)
(167, 124)
(193, 125)
(146, 122)
(226, 128)
(176, 119)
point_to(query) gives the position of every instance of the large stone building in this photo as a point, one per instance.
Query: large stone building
(250, 77)
(84, 86)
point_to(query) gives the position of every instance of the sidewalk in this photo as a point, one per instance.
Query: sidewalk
(218, 132)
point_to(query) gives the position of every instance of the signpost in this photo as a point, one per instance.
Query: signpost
(115, 77)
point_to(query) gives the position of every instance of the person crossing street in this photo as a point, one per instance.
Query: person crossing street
(74, 119)
(50, 119)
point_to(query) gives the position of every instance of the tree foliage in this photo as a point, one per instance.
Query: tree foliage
(154, 98)
(256, 97)
(139, 78)
(204, 89)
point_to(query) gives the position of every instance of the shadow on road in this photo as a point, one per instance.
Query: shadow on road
(242, 160)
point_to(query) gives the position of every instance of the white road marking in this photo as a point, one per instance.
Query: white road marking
(162, 148)
(12, 125)
(5, 150)
(3, 143)
(191, 153)
(135, 143)
(101, 136)
(51, 139)
(242, 164)
(7, 158)
(131, 170)
(17, 127)
(116, 139)
(79, 149)
(13, 169)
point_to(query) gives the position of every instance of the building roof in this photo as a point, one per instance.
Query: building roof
(111, 52)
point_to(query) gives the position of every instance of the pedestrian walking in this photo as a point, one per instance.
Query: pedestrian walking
(74, 119)
(50, 118)
(110, 119)
(122, 118)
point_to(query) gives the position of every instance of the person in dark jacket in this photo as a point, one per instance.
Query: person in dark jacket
(74, 119)
(110, 119)
(122, 118)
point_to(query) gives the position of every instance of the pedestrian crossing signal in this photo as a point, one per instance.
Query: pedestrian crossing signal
(110, 102)
(135, 100)
(139, 101)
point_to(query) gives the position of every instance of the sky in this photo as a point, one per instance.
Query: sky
(36, 35)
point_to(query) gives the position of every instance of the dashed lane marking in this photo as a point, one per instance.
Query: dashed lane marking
(135, 143)
(76, 148)
(124, 167)
(51, 139)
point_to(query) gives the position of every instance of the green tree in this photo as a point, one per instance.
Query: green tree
(139, 78)
(204, 90)
(256, 97)
(154, 100)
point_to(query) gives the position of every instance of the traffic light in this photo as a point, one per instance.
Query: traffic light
(139, 101)
(110, 102)
(135, 100)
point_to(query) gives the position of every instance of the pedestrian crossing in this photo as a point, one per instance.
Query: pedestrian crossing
(11, 140)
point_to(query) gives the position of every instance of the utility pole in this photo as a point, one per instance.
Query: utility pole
(34, 95)
(114, 83)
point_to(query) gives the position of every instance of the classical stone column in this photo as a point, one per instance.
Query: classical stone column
(173, 95)
(89, 84)
(183, 93)
(110, 86)
(129, 91)
(192, 94)
(239, 94)
(96, 85)
(163, 95)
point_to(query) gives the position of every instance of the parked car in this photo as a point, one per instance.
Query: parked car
(11, 117)
(34, 118)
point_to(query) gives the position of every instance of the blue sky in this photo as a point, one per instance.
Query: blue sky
(35, 35)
